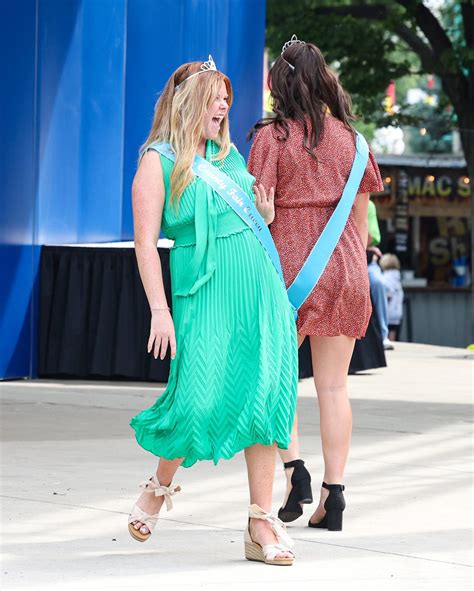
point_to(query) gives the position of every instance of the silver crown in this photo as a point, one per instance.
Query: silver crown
(208, 66)
(293, 41)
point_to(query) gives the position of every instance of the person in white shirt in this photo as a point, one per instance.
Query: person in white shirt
(393, 286)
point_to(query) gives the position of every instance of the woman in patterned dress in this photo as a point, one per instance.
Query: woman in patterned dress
(233, 375)
(305, 153)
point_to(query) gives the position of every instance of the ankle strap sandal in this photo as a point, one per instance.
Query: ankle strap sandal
(153, 486)
(137, 514)
(269, 553)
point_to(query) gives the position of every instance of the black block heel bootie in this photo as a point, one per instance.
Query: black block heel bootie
(300, 493)
(334, 505)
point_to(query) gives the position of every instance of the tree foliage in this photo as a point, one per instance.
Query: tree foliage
(433, 136)
(365, 51)
(375, 41)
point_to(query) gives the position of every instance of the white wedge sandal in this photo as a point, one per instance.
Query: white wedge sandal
(268, 553)
(137, 514)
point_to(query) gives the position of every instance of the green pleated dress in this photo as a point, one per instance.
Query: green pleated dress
(233, 382)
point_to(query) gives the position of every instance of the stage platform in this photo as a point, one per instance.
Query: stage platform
(94, 317)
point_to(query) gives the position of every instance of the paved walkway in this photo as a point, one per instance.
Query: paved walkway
(71, 466)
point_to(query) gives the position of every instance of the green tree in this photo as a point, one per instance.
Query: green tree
(375, 41)
(434, 136)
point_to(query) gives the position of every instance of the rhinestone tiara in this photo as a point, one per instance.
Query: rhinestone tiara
(208, 66)
(293, 41)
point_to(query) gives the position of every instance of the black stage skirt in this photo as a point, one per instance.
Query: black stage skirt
(94, 319)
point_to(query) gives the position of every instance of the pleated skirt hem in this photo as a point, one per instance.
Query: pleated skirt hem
(148, 441)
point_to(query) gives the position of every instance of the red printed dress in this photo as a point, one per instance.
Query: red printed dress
(306, 193)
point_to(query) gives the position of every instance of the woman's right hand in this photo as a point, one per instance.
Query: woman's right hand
(161, 334)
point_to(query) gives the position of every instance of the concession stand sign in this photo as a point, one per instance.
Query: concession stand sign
(426, 212)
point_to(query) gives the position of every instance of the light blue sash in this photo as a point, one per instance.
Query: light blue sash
(235, 197)
(319, 256)
(240, 202)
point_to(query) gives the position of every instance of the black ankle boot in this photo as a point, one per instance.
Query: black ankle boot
(334, 505)
(300, 492)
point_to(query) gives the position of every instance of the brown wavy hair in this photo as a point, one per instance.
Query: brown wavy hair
(305, 94)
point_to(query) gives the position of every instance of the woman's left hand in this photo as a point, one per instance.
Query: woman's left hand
(265, 203)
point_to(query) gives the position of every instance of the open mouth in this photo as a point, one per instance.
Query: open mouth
(217, 120)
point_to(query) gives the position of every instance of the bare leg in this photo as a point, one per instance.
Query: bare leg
(148, 502)
(261, 472)
(331, 357)
(293, 451)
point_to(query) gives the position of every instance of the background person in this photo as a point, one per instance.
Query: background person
(390, 265)
(377, 285)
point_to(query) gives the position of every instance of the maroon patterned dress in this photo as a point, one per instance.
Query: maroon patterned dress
(306, 193)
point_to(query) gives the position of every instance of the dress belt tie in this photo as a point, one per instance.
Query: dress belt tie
(202, 233)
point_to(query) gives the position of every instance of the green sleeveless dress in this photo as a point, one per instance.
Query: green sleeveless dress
(233, 382)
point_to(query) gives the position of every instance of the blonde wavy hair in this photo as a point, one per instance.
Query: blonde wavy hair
(179, 118)
(389, 261)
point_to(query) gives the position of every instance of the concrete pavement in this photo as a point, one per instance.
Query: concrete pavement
(71, 467)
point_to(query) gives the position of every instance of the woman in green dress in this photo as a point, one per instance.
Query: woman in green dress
(232, 336)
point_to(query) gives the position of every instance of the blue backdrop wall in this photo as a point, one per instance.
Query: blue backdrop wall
(80, 79)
